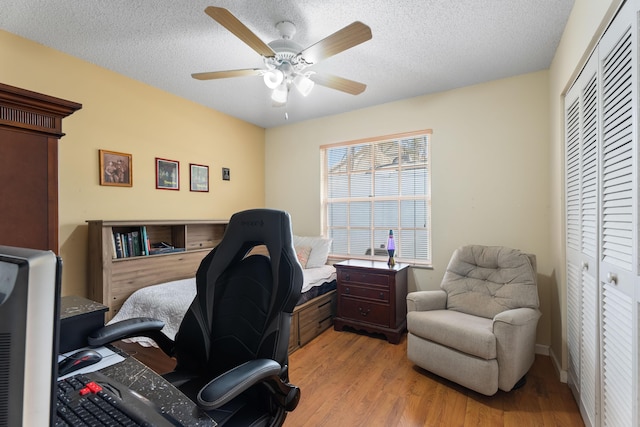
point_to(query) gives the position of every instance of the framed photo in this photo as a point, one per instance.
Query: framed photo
(167, 174)
(199, 177)
(115, 169)
(226, 174)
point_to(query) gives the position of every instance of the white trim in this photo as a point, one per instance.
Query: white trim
(542, 349)
(562, 373)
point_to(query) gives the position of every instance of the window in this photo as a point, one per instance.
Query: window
(377, 185)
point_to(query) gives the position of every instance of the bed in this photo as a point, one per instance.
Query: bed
(313, 314)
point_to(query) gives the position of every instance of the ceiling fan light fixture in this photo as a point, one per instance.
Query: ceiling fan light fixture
(273, 78)
(279, 94)
(304, 84)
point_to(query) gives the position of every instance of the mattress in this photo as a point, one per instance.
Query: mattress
(169, 301)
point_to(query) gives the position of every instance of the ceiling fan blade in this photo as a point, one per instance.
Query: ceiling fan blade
(346, 38)
(231, 23)
(339, 83)
(226, 74)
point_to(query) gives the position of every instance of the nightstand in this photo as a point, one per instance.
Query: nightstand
(372, 296)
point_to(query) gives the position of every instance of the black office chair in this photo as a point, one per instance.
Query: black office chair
(232, 345)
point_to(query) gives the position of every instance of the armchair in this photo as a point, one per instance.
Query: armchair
(479, 329)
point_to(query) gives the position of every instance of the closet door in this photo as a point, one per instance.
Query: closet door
(618, 275)
(582, 150)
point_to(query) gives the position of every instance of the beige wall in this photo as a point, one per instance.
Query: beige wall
(121, 114)
(490, 140)
(490, 151)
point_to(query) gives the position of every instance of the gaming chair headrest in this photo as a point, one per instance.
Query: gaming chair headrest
(255, 227)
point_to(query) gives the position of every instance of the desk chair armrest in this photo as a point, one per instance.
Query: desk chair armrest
(135, 327)
(229, 385)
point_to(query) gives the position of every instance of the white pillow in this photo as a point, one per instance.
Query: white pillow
(319, 249)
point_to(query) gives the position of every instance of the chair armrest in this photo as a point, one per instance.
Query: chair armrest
(515, 332)
(427, 300)
(134, 327)
(227, 386)
(517, 316)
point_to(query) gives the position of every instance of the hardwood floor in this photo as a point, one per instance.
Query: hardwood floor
(352, 379)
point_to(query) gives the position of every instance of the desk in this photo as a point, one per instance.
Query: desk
(138, 377)
(81, 315)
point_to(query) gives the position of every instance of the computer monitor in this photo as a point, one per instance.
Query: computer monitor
(29, 318)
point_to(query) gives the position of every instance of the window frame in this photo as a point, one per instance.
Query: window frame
(372, 228)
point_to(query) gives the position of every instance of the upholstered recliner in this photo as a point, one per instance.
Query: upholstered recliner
(479, 329)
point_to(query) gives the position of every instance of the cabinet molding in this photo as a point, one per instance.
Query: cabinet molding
(30, 126)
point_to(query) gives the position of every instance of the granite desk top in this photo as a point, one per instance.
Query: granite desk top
(136, 375)
(72, 305)
(139, 377)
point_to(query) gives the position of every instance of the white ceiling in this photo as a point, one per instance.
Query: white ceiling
(418, 46)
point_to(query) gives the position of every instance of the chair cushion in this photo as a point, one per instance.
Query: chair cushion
(464, 332)
(486, 280)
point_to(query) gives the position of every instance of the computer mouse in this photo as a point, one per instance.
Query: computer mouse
(78, 360)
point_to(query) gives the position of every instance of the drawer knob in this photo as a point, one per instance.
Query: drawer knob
(347, 290)
(364, 312)
(381, 295)
(347, 276)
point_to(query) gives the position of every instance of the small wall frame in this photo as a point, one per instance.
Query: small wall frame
(115, 169)
(199, 177)
(167, 174)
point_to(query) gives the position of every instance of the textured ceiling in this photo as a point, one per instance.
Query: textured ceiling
(418, 46)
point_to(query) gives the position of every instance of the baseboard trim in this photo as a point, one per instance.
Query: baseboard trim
(562, 374)
(542, 349)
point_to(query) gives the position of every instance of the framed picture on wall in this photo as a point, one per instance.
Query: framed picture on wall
(167, 174)
(199, 177)
(115, 168)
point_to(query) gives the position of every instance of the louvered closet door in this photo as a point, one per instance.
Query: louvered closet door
(618, 230)
(582, 137)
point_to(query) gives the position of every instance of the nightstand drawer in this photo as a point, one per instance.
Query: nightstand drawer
(364, 311)
(372, 296)
(377, 294)
(367, 278)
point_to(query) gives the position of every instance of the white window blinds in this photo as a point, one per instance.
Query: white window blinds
(377, 185)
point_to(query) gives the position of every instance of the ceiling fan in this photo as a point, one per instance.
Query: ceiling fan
(286, 62)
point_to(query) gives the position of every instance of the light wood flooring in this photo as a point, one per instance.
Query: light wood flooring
(352, 379)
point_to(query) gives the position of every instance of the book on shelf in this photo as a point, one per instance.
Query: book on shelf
(119, 245)
(145, 240)
(165, 250)
(136, 245)
(114, 252)
(129, 244)
(117, 242)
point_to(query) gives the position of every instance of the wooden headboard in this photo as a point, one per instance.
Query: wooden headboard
(112, 280)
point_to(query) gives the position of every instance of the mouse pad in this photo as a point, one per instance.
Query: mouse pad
(108, 358)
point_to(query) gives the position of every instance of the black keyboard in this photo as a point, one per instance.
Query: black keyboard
(94, 399)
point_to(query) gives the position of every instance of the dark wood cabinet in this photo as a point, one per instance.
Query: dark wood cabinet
(372, 296)
(30, 126)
